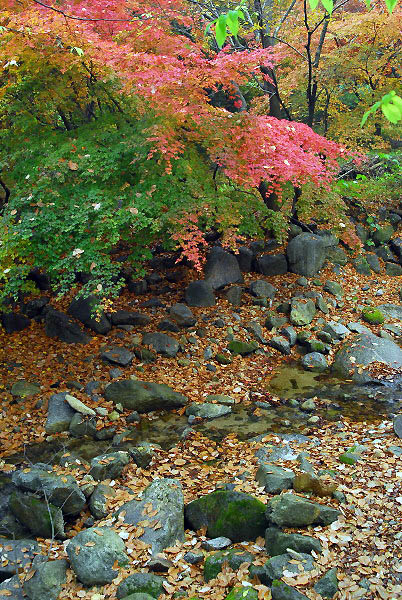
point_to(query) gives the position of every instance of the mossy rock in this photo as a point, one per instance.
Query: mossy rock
(243, 593)
(373, 316)
(242, 348)
(283, 591)
(145, 583)
(230, 514)
(234, 557)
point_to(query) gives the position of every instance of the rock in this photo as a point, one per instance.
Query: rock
(396, 245)
(290, 334)
(397, 425)
(12, 588)
(361, 265)
(47, 581)
(220, 399)
(306, 254)
(13, 322)
(143, 454)
(167, 325)
(219, 543)
(222, 359)
(235, 515)
(384, 253)
(272, 264)
(24, 389)
(118, 356)
(93, 554)
(82, 309)
(234, 557)
(274, 479)
(79, 406)
(288, 510)
(283, 591)
(291, 561)
(281, 344)
(208, 410)
(334, 288)
(383, 234)
(109, 466)
(274, 322)
(393, 270)
(234, 295)
(374, 263)
(321, 304)
(42, 518)
(98, 500)
(221, 268)
(143, 396)
(166, 497)
(81, 426)
(327, 585)
(61, 491)
(193, 558)
(308, 483)
(336, 256)
(373, 316)
(302, 312)
(138, 287)
(242, 593)
(200, 293)
(162, 344)
(16, 555)
(262, 289)
(308, 405)
(245, 258)
(365, 349)
(141, 583)
(242, 348)
(255, 329)
(59, 414)
(337, 331)
(358, 328)
(182, 315)
(314, 361)
(278, 542)
(125, 317)
(59, 325)
(391, 311)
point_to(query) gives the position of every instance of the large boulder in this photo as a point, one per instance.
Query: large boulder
(391, 311)
(41, 517)
(221, 268)
(234, 557)
(12, 588)
(230, 514)
(289, 510)
(125, 317)
(59, 414)
(16, 555)
(84, 310)
(162, 344)
(94, 555)
(143, 396)
(306, 254)
(200, 293)
(141, 586)
(13, 322)
(62, 491)
(278, 542)
(164, 499)
(361, 350)
(59, 325)
(272, 264)
(47, 580)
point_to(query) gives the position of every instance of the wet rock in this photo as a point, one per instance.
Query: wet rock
(306, 254)
(141, 583)
(234, 557)
(327, 585)
(200, 293)
(98, 500)
(143, 396)
(242, 348)
(16, 555)
(93, 554)
(42, 518)
(47, 581)
(109, 466)
(221, 268)
(365, 349)
(62, 491)
(59, 325)
(182, 315)
(83, 310)
(165, 496)
(277, 542)
(13, 322)
(162, 344)
(208, 411)
(262, 289)
(235, 515)
(118, 356)
(272, 264)
(302, 312)
(314, 361)
(59, 414)
(125, 317)
(274, 479)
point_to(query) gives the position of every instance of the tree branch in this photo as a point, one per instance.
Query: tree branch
(67, 16)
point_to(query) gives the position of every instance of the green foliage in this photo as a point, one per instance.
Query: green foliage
(226, 21)
(391, 106)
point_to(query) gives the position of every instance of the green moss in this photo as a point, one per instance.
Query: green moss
(373, 316)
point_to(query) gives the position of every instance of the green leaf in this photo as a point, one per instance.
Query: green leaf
(220, 30)
(208, 28)
(368, 3)
(391, 4)
(392, 112)
(78, 51)
(232, 22)
(313, 4)
(328, 5)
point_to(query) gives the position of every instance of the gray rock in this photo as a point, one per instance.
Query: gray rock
(208, 411)
(306, 254)
(327, 585)
(272, 264)
(83, 309)
(93, 554)
(274, 322)
(143, 454)
(288, 510)
(334, 288)
(302, 312)
(392, 269)
(337, 331)
(290, 334)
(278, 542)
(125, 317)
(283, 591)
(234, 294)
(141, 583)
(59, 414)
(358, 328)
(79, 406)
(219, 543)
(117, 356)
(62, 491)
(109, 466)
(166, 497)
(235, 515)
(12, 588)
(13, 322)
(262, 289)
(321, 304)
(242, 348)
(372, 260)
(255, 329)
(314, 361)
(144, 396)
(391, 311)
(383, 234)
(24, 389)
(289, 561)
(16, 555)
(182, 315)
(98, 500)
(81, 426)
(336, 256)
(47, 581)
(200, 293)
(365, 349)
(361, 265)
(42, 518)
(274, 479)
(233, 557)
(384, 253)
(281, 344)
(193, 558)
(161, 343)
(59, 325)
(245, 259)
(220, 399)
(397, 425)
(221, 268)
